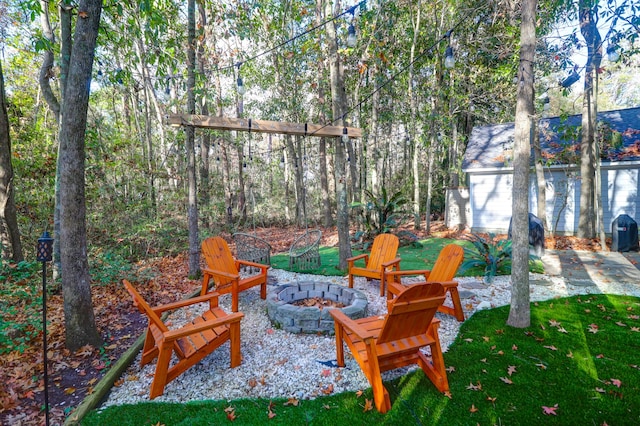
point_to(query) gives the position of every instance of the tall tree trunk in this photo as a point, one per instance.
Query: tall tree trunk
(541, 182)
(46, 69)
(322, 118)
(588, 27)
(415, 158)
(80, 326)
(339, 108)
(66, 44)
(192, 209)
(205, 139)
(519, 312)
(9, 233)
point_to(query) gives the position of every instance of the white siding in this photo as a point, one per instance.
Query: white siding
(490, 198)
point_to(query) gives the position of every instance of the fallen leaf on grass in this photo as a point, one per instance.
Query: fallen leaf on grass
(616, 382)
(292, 401)
(506, 380)
(359, 393)
(550, 410)
(570, 354)
(368, 405)
(636, 329)
(270, 412)
(511, 369)
(551, 347)
(600, 390)
(231, 413)
(473, 408)
(475, 387)
(593, 328)
(450, 369)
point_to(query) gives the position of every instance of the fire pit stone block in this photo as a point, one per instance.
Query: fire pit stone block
(312, 319)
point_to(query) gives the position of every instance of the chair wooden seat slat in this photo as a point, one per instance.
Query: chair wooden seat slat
(381, 258)
(224, 271)
(396, 340)
(189, 343)
(444, 270)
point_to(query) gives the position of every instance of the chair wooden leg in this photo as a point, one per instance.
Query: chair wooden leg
(350, 281)
(339, 344)
(149, 350)
(234, 333)
(380, 394)
(162, 367)
(457, 310)
(263, 290)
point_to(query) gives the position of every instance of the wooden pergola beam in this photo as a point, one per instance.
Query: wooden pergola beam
(260, 126)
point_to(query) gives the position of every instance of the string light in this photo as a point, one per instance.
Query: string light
(240, 84)
(352, 39)
(612, 53)
(449, 59)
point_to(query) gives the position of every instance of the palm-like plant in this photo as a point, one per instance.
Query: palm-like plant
(489, 253)
(383, 213)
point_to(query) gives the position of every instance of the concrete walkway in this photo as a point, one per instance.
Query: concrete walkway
(587, 268)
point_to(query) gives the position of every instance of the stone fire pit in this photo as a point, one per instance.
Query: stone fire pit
(312, 319)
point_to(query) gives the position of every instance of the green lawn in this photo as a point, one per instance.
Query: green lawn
(577, 364)
(414, 256)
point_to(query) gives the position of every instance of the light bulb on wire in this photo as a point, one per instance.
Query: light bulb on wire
(449, 59)
(352, 39)
(240, 86)
(345, 135)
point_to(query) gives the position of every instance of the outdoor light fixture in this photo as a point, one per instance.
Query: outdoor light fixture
(612, 53)
(240, 86)
(44, 254)
(546, 104)
(345, 135)
(449, 59)
(351, 36)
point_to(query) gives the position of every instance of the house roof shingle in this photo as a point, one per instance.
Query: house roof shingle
(492, 146)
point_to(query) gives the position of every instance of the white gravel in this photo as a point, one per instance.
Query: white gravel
(277, 363)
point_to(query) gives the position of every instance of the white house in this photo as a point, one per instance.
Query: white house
(488, 164)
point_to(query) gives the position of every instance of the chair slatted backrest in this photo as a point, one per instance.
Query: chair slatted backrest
(143, 306)
(218, 257)
(384, 249)
(412, 312)
(447, 263)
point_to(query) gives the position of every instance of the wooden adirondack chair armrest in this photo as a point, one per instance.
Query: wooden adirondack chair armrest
(392, 262)
(403, 273)
(214, 273)
(191, 329)
(351, 325)
(187, 302)
(352, 260)
(210, 273)
(254, 264)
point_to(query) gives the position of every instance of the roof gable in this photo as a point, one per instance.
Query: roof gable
(492, 146)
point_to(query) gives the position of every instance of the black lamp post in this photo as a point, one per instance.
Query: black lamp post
(44, 255)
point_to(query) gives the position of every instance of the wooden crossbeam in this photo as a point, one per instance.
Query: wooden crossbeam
(260, 126)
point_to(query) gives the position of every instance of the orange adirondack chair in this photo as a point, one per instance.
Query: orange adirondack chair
(225, 271)
(381, 344)
(190, 343)
(444, 270)
(381, 258)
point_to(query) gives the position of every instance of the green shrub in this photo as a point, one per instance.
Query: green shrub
(490, 254)
(20, 304)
